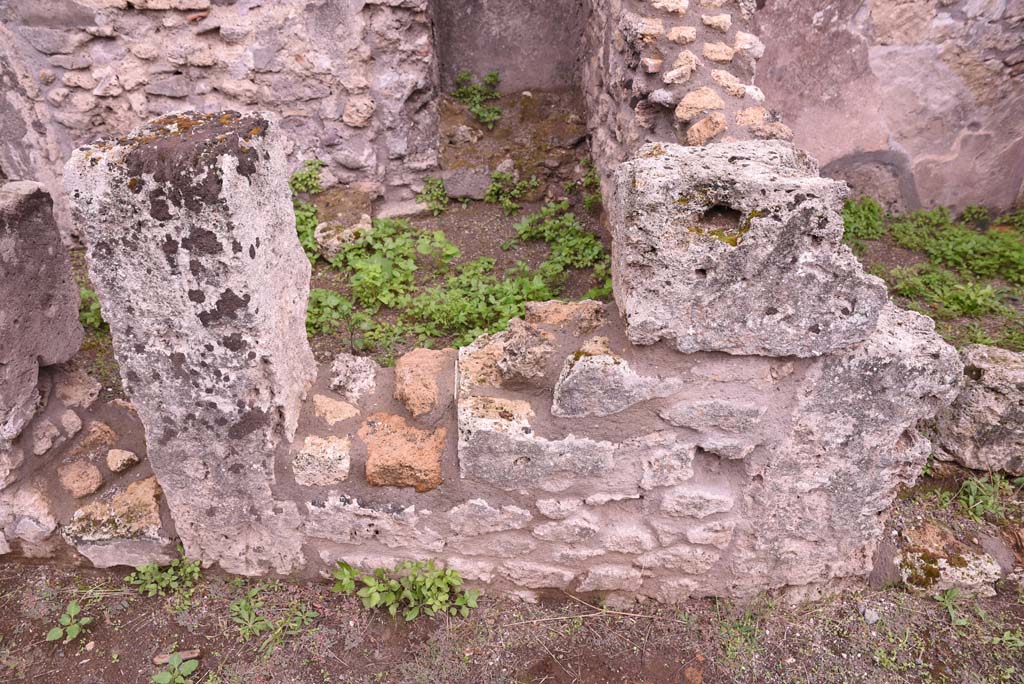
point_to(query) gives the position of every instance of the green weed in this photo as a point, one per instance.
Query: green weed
(949, 600)
(476, 96)
(89, 312)
(178, 671)
(506, 191)
(71, 624)
(326, 311)
(864, 220)
(177, 580)
(248, 617)
(307, 178)
(981, 497)
(950, 295)
(415, 588)
(434, 196)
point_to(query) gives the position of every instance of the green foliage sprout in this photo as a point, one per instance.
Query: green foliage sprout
(863, 220)
(89, 312)
(476, 96)
(178, 671)
(506, 191)
(177, 580)
(71, 624)
(434, 196)
(306, 180)
(415, 588)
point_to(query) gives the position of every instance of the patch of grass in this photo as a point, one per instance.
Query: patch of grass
(476, 96)
(409, 271)
(434, 196)
(307, 178)
(506, 191)
(864, 220)
(982, 497)
(89, 312)
(415, 588)
(177, 580)
(972, 279)
(254, 620)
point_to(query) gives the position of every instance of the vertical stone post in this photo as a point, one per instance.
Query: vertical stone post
(192, 248)
(38, 307)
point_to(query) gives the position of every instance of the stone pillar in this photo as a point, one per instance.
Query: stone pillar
(38, 303)
(677, 71)
(193, 251)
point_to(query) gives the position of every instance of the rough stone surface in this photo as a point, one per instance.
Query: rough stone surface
(476, 517)
(205, 286)
(131, 513)
(754, 264)
(356, 82)
(80, 478)
(322, 461)
(934, 560)
(425, 379)
(353, 376)
(926, 94)
(603, 384)
(120, 460)
(983, 428)
(400, 455)
(38, 301)
(333, 411)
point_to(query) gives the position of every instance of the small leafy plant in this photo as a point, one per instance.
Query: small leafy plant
(71, 624)
(178, 671)
(950, 600)
(89, 312)
(434, 196)
(326, 311)
(863, 220)
(247, 616)
(177, 580)
(476, 96)
(306, 180)
(415, 588)
(980, 497)
(506, 191)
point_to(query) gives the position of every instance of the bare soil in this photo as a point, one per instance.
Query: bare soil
(561, 640)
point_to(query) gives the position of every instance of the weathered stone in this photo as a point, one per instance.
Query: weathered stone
(11, 458)
(400, 455)
(983, 428)
(697, 102)
(120, 460)
(476, 517)
(573, 530)
(627, 537)
(469, 183)
(537, 575)
(675, 6)
(603, 384)
(127, 514)
(682, 35)
(696, 502)
(728, 82)
(95, 442)
(322, 461)
(585, 316)
(331, 238)
(717, 533)
(934, 561)
(345, 521)
(80, 478)
(682, 68)
(558, 509)
(45, 436)
(497, 445)
(610, 578)
(129, 552)
(713, 414)
(691, 560)
(25, 515)
(186, 219)
(705, 130)
(640, 31)
(526, 350)
(718, 52)
(353, 376)
(719, 22)
(359, 111)
(425, 380)
(332, 411)
(666, 461)
(70, 423)
(756, 264)
(38, 301)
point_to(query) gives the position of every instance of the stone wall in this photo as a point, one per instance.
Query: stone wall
(927, 94)
(534, 44)
(354, 82)
(572, 451)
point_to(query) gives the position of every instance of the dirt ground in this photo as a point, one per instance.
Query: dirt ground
(876, 635)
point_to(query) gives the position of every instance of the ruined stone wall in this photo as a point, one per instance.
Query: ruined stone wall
(353, 81)
(915, 102)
